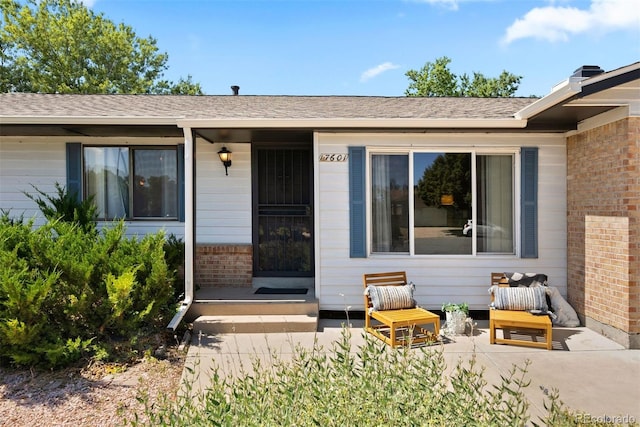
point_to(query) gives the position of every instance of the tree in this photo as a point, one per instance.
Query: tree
(436, 79)
(61, 46)
(449, 174)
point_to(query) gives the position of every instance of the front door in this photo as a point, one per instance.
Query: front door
(282, 210)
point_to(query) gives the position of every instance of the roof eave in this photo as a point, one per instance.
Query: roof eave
(87, 120)
(611, 79)
(560, 93)
(509, 123)
(581, 87)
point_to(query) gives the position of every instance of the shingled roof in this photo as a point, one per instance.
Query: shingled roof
(173, 107)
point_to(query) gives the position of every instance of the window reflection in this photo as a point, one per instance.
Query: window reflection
(155, 183)
(442, 202)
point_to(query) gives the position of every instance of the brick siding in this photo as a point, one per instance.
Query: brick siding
(606, 270)
(603, 212)
(223, 266)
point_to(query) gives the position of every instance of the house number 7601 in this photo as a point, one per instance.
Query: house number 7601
(333, 157)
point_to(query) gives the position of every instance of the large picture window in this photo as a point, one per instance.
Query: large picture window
(463, 203)
(132, 182)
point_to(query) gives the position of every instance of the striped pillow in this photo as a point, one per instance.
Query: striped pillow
(391, 297)
(520, 299)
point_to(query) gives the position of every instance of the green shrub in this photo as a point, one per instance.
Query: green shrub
(376, 385)
(68, 291)
(67, 207)
(174, 256)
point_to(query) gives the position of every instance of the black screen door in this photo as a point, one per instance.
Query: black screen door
(282, 211)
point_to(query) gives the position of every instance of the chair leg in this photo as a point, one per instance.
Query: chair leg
(392, 335)
(548, 335)
(492, 332)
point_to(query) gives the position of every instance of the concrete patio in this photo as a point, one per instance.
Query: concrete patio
(593, 374)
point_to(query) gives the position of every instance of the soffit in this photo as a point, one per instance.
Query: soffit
(597, 95)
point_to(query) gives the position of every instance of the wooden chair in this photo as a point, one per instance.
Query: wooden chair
(398, 327)
(509, 320)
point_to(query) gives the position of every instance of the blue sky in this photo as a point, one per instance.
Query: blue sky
(358, 47)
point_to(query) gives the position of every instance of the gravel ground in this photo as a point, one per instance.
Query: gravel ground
(97, 395)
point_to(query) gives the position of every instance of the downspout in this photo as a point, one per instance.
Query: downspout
(188, 229)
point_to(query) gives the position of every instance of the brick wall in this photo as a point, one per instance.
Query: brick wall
(223, 266)
(603, 211)
(606, 270)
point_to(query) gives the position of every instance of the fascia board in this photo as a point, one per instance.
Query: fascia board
(561, 92)
(270, 123)
(354, 123)
(86, 120)
(612, 74)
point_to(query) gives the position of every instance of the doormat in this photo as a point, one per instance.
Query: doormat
(281, 291)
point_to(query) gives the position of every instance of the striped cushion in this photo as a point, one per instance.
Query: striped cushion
(521, 299)
(391, 297)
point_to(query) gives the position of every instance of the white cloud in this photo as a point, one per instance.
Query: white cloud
(449, 4)
(377, 70)
(88, 3)
(554, 23)
(453, 4)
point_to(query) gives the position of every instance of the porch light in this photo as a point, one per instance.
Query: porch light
(225, 158)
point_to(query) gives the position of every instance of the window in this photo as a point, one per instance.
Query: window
(442, 203)
(463, 203)
(132, 182)
(495, 199)
(390, 203)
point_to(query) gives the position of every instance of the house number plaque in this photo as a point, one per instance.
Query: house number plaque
(333, 157)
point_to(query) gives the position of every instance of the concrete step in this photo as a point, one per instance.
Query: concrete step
(262, 323)
(253, 307)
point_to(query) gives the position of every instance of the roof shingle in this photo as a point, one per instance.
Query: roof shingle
(174, 107)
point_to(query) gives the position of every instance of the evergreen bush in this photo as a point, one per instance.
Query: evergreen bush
(69, 291)
(174, 256)
(66, 206)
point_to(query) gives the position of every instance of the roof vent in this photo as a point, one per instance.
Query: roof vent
(587, 71)
(235, 89)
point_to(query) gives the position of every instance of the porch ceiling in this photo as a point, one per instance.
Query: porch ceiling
(229, 135)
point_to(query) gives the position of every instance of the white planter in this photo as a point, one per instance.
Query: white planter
(456, 321)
